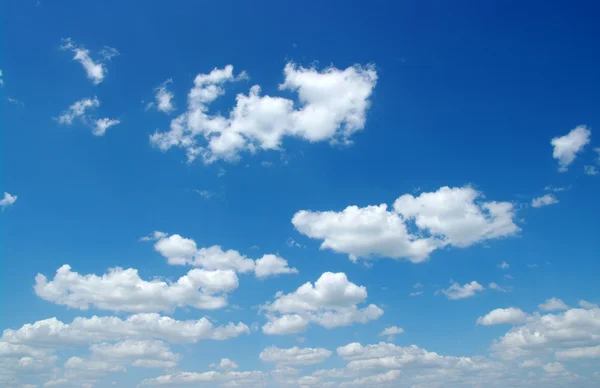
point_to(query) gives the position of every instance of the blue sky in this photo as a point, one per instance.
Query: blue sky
(213, 175)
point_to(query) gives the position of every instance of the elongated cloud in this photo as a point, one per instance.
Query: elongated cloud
(95, 70)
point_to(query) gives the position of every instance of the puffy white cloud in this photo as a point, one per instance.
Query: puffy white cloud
(369, 381)
(587, 305)
(163, 98)
(573, 328)
(577, 353)
(226, 364)
(51, 333)
(96, 70)
(332, 105)
(532, 363)
(447, 217)
(568, 146)
(184, 251)
(391, 331)
(7, 200)
(78, 110)
(294, 356)
(554, 367)
(545, 200)
(510, 315)
(123, 290)
(553, 304)
(250, 378)
(467, 290)
(101, 125)
(331, 302)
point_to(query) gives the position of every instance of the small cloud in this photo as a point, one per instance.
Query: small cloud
(163, 98)
(467, 290)
(417, 285)
(205, 194)
(154, 236)
(15, 101)
(221, 172)
(508, 276)
(591, 170)
(553, 304)
(496, 287)
(503, 265)
(416, 293)
(95, 69)
(7, 200)
(556, 189)
(533, 265)
(265, 163)
(390, 332)
(545, 200)
(101, 125)
(568, 146)
(293, 243)
(1, 79)
(587, 305)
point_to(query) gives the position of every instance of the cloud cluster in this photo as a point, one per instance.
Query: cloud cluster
(163, 98)
(79, 110)
(447, 217)
(123, 290)
(332, 105)
(331, 302)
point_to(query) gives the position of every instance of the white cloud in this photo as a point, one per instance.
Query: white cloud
(567, 147)
(553, 304)
(332, 106)
(204, 194)
(15, 101)
(578, 353)
(294, 356)
(545, 200)
(227, 364)
(184, 251)
(509, 315)
(416, 293)
(96, 70)
(447, 217)
(1, 79)
(503, 265)
(546, 333)
(467, 290)
(591, 170)
(554, 367)
(251, 378)
(82, 331)
(101, 125)
(163, 98)
(532, 363)
(496, 287)
(123, 290)
(391, 331)
(331, 302)
(7, 200)
(373, 380)
(78, 110)
(587, 305)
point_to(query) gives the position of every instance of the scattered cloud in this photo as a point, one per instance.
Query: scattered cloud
(294, 356)
(553, 304)
(332, 105)
(568, 146)
(78, 110)
(293, 243)
(591, 170)
(95, 70)
(1, 78)
(447, 217)
(163, 98)
(496, 287)
(511, 315)
(416, 293)
(587, 305)
(503, 265)
(467, 290)
(545, 200)
(225, 364)
(331, 302)
(184, 251)
(123, 290)
(204, 194)
(15, 101)
(8, 200)
(390, 332)
(101, 125)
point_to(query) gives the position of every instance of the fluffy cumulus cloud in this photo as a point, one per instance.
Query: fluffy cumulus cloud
(447, 217)
(7, 200)
(51, 333)
(226, 364)
(510, 315)
(80, 110)
(553, 304)
(95, 69)
(163, 98)
(331, 105)
(467, 290)
(544, 200)
(184, 251)
(124, 290)
(565, 333)
(210, 378)
(294, 356)
(331, 302)
(568, 146)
